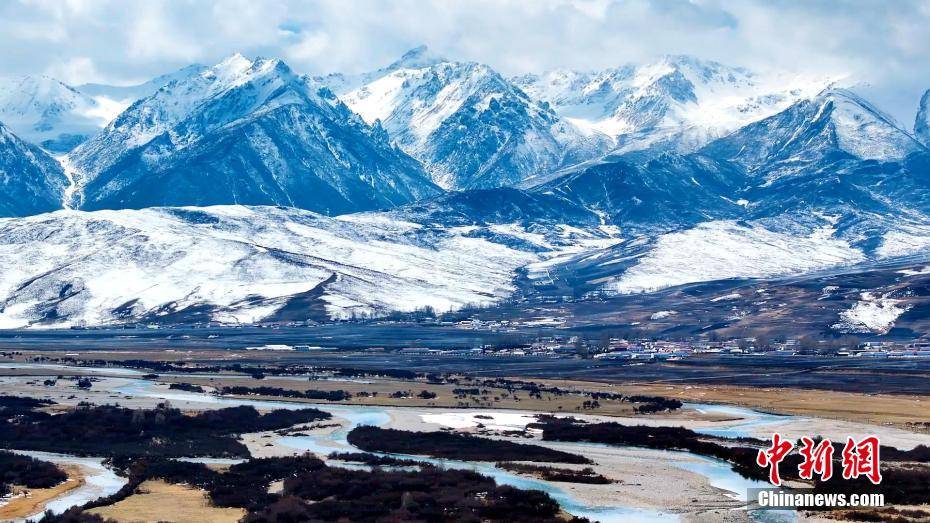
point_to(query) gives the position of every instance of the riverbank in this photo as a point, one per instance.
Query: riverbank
(23, 503)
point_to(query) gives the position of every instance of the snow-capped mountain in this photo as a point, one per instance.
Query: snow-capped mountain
(678, 103)
(46, 112)
(249, 133)
(836, 154)
(922, 124)
(834, 120)
(833, 155)
(31, 181)
(468, 125)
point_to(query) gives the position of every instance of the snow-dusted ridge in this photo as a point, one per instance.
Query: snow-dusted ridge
(236, 264)
(726, 249)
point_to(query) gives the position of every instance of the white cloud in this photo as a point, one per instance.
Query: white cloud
(74, 71)
(309, 47)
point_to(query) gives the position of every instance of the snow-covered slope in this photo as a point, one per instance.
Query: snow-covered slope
(834, 153)
(922, 124)
(678, 103)
(725, 249)
(238, 264)
(46, 112)
(249, 133)
(469, 126)
(31, 181)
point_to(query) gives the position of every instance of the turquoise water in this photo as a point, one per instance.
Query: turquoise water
(718, 472)
(753, 419)
(361, 415)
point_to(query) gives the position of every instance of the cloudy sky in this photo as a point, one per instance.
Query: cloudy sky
(882, 45)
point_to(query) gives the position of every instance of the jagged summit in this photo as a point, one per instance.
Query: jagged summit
(814, 131)
(678, 102)
(922, 124)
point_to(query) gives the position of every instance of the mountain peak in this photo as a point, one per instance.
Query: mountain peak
(417, 58)
(687, 60)
(43, 110)
(814, 132)
(922, 125)
(233, 65)
(247, 131)
(851, 103)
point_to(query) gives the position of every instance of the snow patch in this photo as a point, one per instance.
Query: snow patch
(727, 297)
(871, 314)
(662, 315)
(494, 420)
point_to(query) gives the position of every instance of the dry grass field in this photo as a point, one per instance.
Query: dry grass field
(157, 501)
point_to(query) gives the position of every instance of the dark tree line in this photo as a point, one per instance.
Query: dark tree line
(585, 475)
(116, 432)
(374, 460)
(743, 459)
(449, 445)
(187, 387)
(327, 395)
(27, 472)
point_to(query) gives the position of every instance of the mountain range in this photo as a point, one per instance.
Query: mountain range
(434, 182)
(678, 103)
(469, 126)
(244, 132)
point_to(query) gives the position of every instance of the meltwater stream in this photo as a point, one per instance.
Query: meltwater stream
(719, 473)
(99, 481)
(324, 444)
